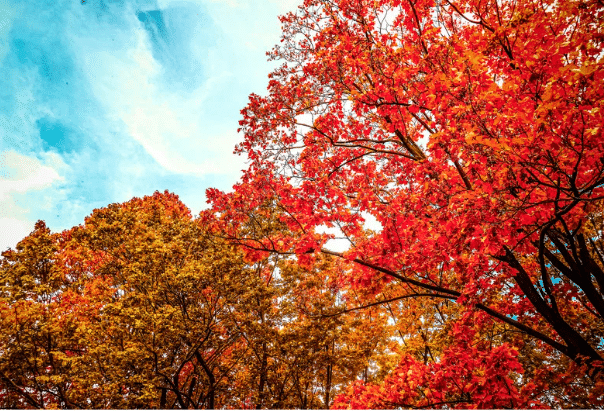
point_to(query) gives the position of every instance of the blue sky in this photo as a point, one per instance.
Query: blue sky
(105, 100)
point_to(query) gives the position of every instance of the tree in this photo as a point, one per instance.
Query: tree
(143, 306)
(305, 346)
(32, 344)
(471, 132)
(129, 310)
(164, 339)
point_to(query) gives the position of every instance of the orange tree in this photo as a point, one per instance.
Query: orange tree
(142, 307)
(305, 345)
(303, 350)
(471, 130)
(32, 373)
(129, 310)
(164, 339)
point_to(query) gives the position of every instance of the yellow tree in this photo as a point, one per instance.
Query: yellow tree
(307, 346)
(32, 344)
(129, 310)
(143, 306)
(309, 339)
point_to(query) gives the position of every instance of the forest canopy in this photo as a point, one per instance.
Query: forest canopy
(141, 307)
(469, 132)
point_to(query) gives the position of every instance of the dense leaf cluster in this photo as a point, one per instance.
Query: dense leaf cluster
(469, 132)
(141, 307)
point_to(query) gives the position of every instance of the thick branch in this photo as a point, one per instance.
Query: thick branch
(442, 292)
(577, 346)
(21, 392)
(210, 375)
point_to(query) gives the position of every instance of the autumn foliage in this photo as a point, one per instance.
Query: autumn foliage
(142, 307)
(455, 147)
(470, 133)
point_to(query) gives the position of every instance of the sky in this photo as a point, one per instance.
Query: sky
(105, 100)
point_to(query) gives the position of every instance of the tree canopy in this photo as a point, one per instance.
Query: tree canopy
(143, 307)
(471, 133)
(455, 146)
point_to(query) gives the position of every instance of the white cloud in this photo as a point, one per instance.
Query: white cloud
(283, 6)
(13, 231)
(340, 243)
(113, 95)
(230, 3)
(21, 175)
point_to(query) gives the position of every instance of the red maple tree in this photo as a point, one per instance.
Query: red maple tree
(471, 131)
